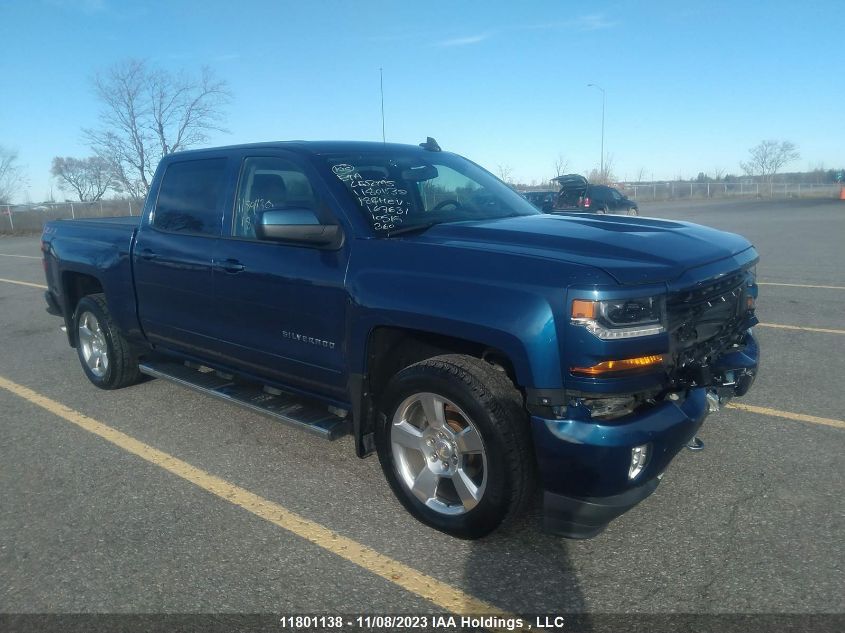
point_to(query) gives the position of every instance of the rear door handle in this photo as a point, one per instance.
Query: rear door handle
(231, 266)
(148, 254)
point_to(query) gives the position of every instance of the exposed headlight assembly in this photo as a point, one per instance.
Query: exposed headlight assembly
(753, 274)
(751, 289)
(621, 318)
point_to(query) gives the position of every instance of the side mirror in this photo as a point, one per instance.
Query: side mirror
(296, 225)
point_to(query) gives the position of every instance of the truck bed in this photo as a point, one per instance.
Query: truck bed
(123, 220)
(92, 250)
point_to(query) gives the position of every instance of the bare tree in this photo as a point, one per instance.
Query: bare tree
(641, 174)
(767, 157)
(184, 109)
(718, 173)
(11, 174)
(605, 177)
(596, 176)
(89, 178)
(505, 172)
(149, 113)
(560, 165)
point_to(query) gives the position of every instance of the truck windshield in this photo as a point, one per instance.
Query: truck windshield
(397, 193)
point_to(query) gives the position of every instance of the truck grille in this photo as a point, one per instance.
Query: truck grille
(704, 320)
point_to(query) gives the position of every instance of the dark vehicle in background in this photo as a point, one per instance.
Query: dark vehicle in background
(578, 194)
(407, 297)
(543, 200)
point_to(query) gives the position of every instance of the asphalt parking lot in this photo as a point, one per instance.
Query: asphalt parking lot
(752, 524)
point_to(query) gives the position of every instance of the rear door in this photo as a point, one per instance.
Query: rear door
(173, 253)
(599, 198)
(281, 308)
(617, 200)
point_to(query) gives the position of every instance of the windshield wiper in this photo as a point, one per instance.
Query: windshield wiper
(410, 229)
(419, 228)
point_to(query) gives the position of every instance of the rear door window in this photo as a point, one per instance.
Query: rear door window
(598, 194)
(190, 199)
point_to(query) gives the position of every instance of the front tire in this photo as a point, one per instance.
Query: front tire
(106, 357)
(453, 442)
(633, 211)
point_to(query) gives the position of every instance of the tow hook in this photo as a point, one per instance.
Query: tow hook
(714, 405)
(714, 402)
(696, 444)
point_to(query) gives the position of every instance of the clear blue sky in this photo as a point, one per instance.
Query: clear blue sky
(690, 86)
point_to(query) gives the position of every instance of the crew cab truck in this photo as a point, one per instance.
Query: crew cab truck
(406, 296)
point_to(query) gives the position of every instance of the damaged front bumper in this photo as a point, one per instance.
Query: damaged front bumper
(587, 465)
(735, 371)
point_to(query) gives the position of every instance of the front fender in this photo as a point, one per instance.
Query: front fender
(517, 322)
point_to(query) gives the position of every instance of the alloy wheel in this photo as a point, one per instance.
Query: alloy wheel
(93, 344)
(439, 453)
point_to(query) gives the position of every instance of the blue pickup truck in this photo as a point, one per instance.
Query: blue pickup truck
(407, 297)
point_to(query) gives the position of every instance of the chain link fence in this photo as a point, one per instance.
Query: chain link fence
(708, 190)
(32, 217)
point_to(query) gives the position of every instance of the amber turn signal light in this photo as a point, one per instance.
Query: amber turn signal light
(618, 366)
(582, 309)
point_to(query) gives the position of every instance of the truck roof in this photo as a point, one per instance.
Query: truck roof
(312, 147)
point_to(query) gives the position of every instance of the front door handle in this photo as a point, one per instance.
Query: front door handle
(148, 254)
(231, 266)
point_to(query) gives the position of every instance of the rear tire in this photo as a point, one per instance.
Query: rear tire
(602, 211)
(106, 357)
(454, 445)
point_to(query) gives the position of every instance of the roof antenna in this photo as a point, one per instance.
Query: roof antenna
(381, 86)
(430, 145)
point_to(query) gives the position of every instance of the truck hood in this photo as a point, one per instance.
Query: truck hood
(633, 250)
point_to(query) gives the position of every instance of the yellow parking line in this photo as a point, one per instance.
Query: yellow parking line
(21, 256)
(799, 417)
(772, 283)
(23, 283)
(802, 328)
(439, 593)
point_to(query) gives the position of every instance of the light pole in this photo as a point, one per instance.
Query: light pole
(381, 89)
(603, 98)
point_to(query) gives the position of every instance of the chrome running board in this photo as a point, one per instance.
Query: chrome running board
(294, 410)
